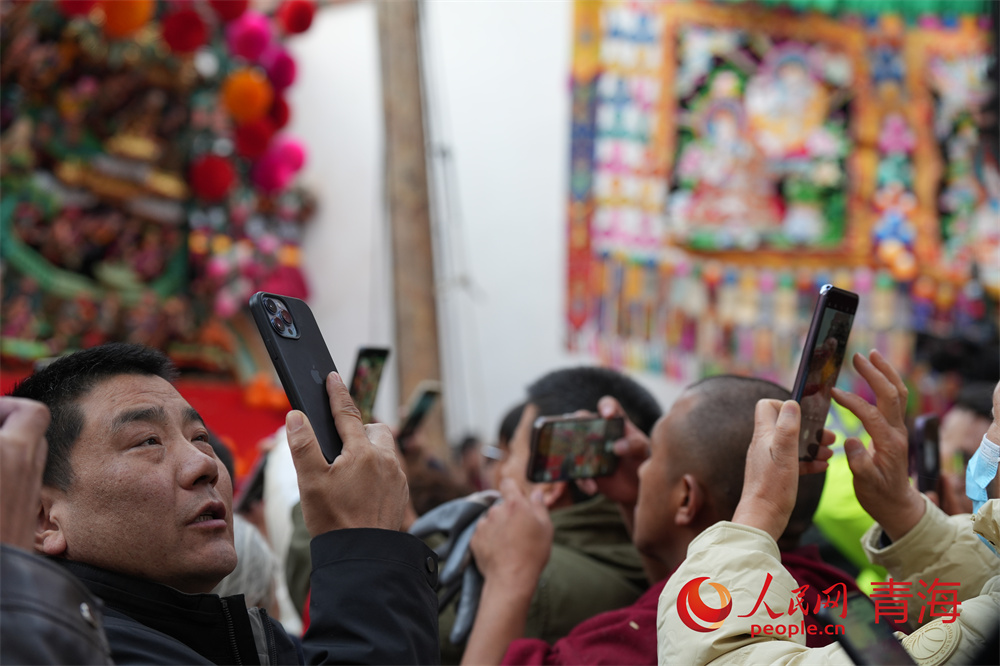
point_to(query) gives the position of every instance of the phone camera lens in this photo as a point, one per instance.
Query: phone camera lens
(279, 325)
(287, 317)
(271, 307)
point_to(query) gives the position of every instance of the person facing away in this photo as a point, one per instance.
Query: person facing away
(670, 488)
(919, 544)
(136, 505)
(593, 566)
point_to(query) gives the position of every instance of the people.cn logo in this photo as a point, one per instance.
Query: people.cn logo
(691, 608)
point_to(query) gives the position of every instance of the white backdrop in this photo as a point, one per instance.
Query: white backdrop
(497, 81)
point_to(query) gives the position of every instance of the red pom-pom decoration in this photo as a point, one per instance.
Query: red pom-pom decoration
(249, 36)
(212, 177)
(253, 138)
(286, 280)
(280, 112)
(184, 31)
(295, 16)
(75, 7)
(229, 9)
(280, 67)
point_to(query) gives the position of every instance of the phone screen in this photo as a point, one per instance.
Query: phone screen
(925, 453)
(864, 638)
(574, 448)
(426, 394)
(826, 346)
(367, 374)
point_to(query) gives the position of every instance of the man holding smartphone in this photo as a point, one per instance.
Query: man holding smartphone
(136, 504)
(913, 539)
(592, 564)
(669, 488)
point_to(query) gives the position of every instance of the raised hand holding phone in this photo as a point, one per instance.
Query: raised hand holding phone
(632, 450)
(364, 487)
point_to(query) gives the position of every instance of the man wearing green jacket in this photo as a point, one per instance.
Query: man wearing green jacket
(593, 566)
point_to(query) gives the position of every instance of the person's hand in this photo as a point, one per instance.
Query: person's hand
(513, 540)
(881, 476)
(771, 478)
(622, 486)
(364, 486)
(23, 450)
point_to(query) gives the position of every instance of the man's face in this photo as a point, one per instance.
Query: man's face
(660, 494)
(515, 465)
(149, 498)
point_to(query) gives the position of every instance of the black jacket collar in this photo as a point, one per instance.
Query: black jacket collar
(218, 628)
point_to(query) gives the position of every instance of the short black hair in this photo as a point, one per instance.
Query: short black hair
(68, 379)
(509, 424)
(715, 436)
(567, 390)
(977, 397)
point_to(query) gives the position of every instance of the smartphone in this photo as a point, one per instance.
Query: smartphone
(421, 402)
(925, 452)
(367, 374)
(822, 356)
(864, 638)
(573, 447)
(301, 359)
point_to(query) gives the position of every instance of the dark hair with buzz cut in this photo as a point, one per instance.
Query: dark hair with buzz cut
(509, 424)
(976, 397)
(68, 379)
(565, 391)
(716, 434)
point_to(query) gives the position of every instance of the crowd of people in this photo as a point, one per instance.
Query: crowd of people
(121, 542)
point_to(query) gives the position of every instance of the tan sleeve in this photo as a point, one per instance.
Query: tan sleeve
(939, 546)
(738, 558)
(962, 641)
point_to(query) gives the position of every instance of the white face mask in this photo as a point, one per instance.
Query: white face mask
(979, 475)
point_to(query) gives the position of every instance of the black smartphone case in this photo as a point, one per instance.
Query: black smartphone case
(830, 297)
(302, 365)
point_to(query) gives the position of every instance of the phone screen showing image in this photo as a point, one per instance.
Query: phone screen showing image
(421, 403)
(925, 452)
(574, 448)
(821, 364)
(367, 374)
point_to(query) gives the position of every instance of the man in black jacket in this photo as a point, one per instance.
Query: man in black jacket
(136, 504)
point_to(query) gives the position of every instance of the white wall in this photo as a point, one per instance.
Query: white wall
(497, 76)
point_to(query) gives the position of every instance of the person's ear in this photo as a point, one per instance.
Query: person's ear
(49, 536)
(692, 503)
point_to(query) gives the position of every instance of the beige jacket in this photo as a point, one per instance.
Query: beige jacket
(740, 558)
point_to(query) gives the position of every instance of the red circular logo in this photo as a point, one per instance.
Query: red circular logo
(691, 606)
